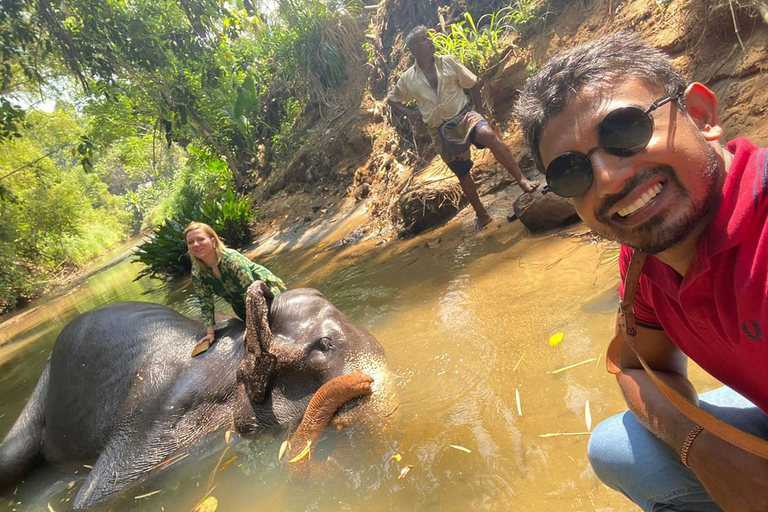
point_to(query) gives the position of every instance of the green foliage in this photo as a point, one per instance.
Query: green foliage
(165, 254)
(229, 214)
(283, 142)
(55, 216)
(474, 44)
(11, 120)
(201, 191)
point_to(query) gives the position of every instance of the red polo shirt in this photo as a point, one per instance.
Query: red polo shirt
(718, 313)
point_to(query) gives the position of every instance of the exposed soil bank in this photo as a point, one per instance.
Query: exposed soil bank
(347, 183)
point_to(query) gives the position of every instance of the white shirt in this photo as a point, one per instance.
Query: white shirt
(452, 79)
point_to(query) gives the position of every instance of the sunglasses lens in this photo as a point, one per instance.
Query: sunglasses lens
(569, 175)
(625, 131)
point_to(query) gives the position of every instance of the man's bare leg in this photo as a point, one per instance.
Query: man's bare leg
(470, 190)
(485, 136)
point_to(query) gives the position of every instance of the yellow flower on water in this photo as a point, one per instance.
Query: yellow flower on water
(555, 339)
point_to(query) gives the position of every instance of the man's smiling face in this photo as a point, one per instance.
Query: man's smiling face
(655, 199)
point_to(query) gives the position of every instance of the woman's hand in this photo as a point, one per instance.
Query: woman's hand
(204, 344)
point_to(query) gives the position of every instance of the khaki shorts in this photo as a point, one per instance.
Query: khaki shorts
(459, 159)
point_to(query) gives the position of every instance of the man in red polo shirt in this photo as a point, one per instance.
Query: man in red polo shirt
(615, 128)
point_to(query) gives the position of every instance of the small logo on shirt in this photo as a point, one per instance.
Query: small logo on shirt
(752, 330)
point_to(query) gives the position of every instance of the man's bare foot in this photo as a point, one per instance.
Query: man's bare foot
(483, 221)
(528, 186)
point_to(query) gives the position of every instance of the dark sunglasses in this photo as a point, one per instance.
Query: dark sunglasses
(623, 132)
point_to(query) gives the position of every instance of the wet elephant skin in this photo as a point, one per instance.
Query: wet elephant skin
(120, 387)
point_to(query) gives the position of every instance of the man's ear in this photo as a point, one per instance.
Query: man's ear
(701, 105)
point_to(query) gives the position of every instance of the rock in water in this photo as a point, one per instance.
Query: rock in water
(542, 212)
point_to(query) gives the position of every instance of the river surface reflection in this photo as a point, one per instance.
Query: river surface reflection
(465, 321)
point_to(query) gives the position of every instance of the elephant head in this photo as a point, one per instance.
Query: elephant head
(299, 346)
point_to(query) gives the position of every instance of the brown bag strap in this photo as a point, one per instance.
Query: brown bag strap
(625, 333)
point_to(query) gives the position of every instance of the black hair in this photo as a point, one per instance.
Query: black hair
(604, 62)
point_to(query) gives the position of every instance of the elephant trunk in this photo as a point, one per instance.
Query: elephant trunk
(323, 405)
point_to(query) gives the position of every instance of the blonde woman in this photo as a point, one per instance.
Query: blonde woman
(223, 272)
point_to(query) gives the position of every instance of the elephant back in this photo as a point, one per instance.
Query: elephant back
(96, 362)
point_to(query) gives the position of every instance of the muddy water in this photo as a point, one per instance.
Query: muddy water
(465, 321)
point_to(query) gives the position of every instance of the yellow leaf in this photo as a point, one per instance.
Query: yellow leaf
(209, 504)
(555, 339)
(397, 457)
(588, 416)
(230, 461)
(303, 453)
(49, 505)
(227, 434)
(283, 448)
(404, 472)
(460, 448)
(517, 401)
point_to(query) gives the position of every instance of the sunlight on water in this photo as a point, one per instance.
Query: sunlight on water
(465, 322)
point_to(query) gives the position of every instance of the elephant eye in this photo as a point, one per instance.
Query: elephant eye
(324, 344)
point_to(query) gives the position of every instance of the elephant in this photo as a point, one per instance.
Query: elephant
(121, 389)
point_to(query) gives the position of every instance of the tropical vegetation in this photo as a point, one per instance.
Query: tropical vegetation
(124, 117)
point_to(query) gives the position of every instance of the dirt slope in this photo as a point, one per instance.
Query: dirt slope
(346, 182)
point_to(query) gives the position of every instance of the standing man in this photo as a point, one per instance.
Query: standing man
(438, 84)
(619, 131)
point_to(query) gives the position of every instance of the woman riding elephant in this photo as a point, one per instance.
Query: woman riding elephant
(225, 272)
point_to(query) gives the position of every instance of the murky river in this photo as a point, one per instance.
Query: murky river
(465, 321)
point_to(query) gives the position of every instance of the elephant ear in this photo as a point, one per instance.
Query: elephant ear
(257, 366)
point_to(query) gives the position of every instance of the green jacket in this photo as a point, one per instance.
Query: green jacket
(237, 274)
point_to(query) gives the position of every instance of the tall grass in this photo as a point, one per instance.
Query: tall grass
(474, 44)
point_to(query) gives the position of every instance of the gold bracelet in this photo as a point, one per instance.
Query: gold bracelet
(687, 444)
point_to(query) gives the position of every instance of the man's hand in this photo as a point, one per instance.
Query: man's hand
(415, 116)
(735, 479)
(412, 114)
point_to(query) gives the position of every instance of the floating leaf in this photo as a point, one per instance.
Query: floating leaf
(283, 448)
(564, 434)
(555, 339)
(209, 504)
(303, 453)
(588, 416)
(404, 472)
(142, 496)
(460, 448)
(564, 368)
(517, 401)
(230, 461)
(397, 457)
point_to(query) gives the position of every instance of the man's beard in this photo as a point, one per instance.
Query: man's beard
(659, 232)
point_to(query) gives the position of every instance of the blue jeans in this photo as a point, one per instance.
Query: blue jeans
(631, 460)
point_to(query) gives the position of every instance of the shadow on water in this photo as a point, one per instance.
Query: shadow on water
(465, 321)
